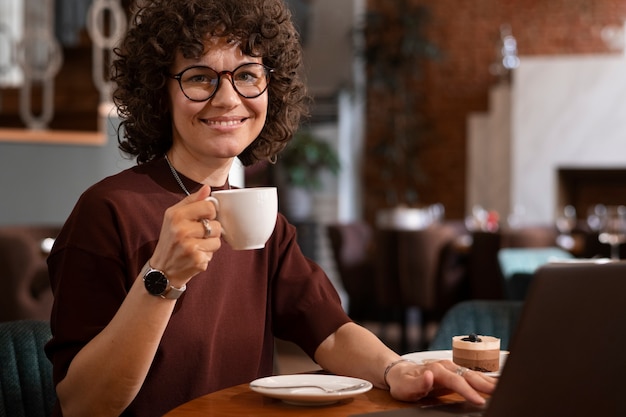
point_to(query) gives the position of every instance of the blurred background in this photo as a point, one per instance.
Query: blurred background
(490, 116)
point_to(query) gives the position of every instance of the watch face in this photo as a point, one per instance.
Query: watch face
(156, 283)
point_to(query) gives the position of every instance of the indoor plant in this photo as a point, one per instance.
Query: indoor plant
(300, 166)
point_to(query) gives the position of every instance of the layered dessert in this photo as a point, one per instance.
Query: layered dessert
(478, 353)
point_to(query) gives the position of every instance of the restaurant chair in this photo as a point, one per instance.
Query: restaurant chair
(486, 279)
(26, 292)
(352, 250)
(484, 274)
(416, 270)
(530, 236)
(518, 266)
(496, 318)
(26, 387)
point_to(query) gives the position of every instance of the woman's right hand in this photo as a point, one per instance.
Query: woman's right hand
(184, 249)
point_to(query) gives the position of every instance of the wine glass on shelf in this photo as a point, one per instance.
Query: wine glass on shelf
(613, 231)
(566, 220)
(565, 223)
(596, 218)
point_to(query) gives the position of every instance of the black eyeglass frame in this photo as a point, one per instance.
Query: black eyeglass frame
(178, 77)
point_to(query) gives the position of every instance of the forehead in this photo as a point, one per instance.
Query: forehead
(217, 50)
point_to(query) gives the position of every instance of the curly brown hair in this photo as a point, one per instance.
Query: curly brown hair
(161, 28)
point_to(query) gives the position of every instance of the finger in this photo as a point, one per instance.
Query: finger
(416, 384)
(188, 206)
(181, 229)
(209, 246)
(206, 225)
(205, 208)
(194, 208)
(209, 228)
(475, 378)
(470, 374)
(201, 194)
(480, 381)
(458, 383)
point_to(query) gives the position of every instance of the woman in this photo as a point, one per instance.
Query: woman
(200, 82)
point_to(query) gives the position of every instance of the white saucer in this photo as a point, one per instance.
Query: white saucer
(308, 396)
(437, 355)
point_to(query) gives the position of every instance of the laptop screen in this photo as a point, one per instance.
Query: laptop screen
(566, 354)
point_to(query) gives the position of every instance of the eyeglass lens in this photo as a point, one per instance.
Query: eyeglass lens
(200, 83)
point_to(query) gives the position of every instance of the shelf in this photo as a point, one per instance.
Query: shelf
(54, 137)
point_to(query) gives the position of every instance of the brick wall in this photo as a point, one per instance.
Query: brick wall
(467, 33)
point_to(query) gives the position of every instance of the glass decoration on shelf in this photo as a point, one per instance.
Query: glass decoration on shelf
(596, 217)
(613, 231)
(106, 24)
(40, 57)
(566, 222)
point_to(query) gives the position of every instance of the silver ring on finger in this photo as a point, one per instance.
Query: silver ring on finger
(461, 370)
(207, 228)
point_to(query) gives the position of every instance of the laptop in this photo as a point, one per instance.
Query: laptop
(568, 353)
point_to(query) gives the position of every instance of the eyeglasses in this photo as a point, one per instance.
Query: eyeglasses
(200, 83)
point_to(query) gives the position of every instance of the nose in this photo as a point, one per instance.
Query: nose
(225, 95)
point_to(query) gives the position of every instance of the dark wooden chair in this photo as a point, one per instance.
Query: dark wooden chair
(418, 269)
(486, 280)
(352, 249)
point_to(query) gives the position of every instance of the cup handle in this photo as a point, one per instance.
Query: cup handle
(217, 207)
(214, 201)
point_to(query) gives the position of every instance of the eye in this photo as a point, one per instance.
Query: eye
(198, 79)
(199, 76)
(248, 77)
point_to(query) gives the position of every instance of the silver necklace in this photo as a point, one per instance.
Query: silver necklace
(175, 174)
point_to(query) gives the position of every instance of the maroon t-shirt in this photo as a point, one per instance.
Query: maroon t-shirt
(223, 327)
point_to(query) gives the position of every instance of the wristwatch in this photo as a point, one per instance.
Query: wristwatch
(157, 284)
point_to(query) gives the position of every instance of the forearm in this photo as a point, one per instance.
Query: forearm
(107, 373)
(352, 350)
(355, 351)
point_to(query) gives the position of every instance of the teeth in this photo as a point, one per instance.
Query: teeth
(224, 123)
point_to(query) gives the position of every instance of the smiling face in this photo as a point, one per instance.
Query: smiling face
(208, 135)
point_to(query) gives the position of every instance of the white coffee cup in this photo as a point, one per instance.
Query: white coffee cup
(247, 215)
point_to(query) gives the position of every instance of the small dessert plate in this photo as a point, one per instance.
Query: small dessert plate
(310, 389)
(437, 355)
